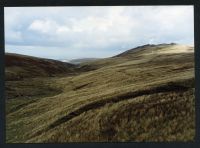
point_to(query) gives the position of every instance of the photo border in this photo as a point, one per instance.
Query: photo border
(36, 3)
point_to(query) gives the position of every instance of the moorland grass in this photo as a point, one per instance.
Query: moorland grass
(137, 96)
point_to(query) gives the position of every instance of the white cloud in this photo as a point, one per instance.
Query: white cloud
(62, 29)
(95, 29)
(43, 26)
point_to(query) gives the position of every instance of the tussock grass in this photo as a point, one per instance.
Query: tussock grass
(137, 96)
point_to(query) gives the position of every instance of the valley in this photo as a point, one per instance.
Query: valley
(142, 94)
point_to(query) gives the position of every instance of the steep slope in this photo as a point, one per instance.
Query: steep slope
(21, 66)
(140, 95)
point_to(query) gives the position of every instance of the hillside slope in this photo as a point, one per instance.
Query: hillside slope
(144, 94)
(142, 54)
(21, 66)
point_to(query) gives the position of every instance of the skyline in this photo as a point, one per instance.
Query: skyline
(94, 32)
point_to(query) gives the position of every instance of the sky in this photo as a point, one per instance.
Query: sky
(95, 31)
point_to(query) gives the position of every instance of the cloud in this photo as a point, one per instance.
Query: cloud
(43, 26)
(92, 30)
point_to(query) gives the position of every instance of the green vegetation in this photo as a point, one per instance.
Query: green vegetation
(145, 94)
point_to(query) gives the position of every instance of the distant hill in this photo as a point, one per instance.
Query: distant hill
(145, 48)
(83, 60)
(141, 54)
(22, 66)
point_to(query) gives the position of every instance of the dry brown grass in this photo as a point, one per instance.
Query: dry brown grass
(134, 97)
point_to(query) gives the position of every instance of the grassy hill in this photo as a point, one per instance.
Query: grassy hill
(143, 94)
(22, 66)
